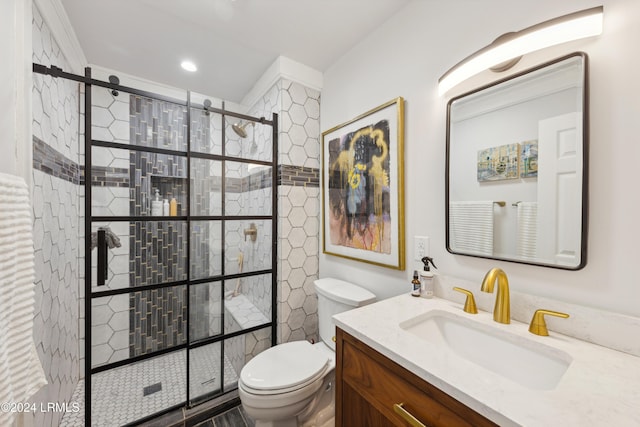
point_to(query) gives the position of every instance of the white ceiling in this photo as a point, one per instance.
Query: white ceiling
(232, 41)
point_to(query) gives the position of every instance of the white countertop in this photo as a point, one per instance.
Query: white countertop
(601, 387)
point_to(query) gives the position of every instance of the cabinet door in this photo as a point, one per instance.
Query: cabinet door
(369, 385)
(359, 412)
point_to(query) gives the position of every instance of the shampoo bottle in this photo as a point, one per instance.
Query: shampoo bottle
(165, 207)
(156, 205)
(426, 278)
(173, 207)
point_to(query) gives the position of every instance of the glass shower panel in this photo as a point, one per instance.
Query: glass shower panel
(247, 246)
(125, 182)
(206, 249)
(248, 140)
(206, 132)
(206, 187)
(248, 189)
(205, 370)
(132, 119)
(239, 350)
(205, 312)
(128, 393)
(137, 323)
(140, 253)
(247, 302)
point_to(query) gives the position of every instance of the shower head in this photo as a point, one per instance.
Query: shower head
(207, 105)
(116, 81)
(240, 129)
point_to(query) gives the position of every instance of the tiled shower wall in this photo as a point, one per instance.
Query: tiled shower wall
(116, 181)
(298, 108)
(58, 225)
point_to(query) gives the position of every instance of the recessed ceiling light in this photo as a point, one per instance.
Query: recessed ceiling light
(189, 66)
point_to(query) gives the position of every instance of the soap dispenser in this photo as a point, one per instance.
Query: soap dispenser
(426, 277)
(156, 205)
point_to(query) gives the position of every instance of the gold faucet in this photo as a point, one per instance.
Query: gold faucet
(501, 310)
(470, 303)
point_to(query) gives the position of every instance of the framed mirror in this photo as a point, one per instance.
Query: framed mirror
(516, 174)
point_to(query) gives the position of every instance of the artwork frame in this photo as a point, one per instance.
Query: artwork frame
(363, 187)
(529, 159)
(499, 163)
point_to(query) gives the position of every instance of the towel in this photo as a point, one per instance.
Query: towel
(471, 227)
(113, 241)
(21, 374)
(527, 233)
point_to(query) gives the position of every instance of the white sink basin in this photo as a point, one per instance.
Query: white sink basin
(526, 362)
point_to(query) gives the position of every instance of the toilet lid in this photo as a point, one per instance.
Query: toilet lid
(284, 366)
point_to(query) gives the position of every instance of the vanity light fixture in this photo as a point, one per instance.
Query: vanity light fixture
(509, 47)
(189, 66)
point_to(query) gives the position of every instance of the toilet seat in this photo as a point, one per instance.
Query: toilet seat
(284, 368)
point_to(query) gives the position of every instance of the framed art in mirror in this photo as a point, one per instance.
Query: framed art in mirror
(516, 172)
(363, 187)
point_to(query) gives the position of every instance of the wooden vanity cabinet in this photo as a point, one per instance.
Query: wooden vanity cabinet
(368, 385)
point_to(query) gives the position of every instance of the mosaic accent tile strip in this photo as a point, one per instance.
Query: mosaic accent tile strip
(298, 176)
(50, 161)
(108, 177)
(257, 181)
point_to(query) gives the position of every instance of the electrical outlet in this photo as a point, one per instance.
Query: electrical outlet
(420, 247)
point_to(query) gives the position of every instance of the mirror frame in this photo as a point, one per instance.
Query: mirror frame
(585, 161)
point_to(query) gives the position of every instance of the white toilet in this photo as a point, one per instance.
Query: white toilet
(291, 384)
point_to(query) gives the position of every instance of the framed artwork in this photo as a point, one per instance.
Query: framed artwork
(529, 159)
(498, 163)
(363, 187)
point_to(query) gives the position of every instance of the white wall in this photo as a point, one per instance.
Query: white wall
(406, 56)
(15, 90)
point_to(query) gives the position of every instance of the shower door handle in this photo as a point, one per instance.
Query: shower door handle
(103, 263)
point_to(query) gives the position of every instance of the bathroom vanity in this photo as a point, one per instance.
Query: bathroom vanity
(447, 367)
(373, 390)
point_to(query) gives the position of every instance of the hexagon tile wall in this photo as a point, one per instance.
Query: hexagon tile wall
(298, 108)
(57, 225)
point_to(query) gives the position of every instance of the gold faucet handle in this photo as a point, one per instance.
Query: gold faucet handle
(538, 325)
(470, 303)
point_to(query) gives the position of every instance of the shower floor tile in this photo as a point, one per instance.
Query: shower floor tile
(118, 395)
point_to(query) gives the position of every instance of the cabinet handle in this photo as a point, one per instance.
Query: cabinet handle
(406, 415)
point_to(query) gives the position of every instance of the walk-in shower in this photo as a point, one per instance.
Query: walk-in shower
(178, 294)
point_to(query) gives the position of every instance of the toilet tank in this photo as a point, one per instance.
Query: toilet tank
(336, 296)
